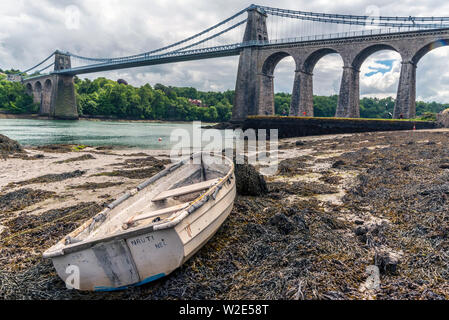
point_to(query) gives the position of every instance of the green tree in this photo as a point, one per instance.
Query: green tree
(14, 98)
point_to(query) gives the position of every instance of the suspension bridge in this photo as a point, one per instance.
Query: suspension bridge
(262, 36)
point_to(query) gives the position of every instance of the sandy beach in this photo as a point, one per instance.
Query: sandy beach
(339, 206)
(90, 161)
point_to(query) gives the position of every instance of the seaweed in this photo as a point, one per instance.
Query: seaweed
(55, 148)
(300, 188)
(9, 147)
(143, 162)
(76, 159)
(95, 185)
(294, 166)
(21, 199)
(287, 244)
(331, 179)
(27, 236)
(133, 174)
(49, 178)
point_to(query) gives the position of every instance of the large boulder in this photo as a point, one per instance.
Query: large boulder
(249, 181)
(9, 146)
(443, 118)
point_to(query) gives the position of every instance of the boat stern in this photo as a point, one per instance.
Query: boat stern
(121, 263)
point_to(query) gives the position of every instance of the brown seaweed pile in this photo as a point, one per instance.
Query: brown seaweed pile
(249, 181)
(287, 244)
(27, 236)
(132, 174)
(143, 168)
(49, 178)
(294, 166)
(410, 191)
(96, 185)
(303, 189)
(149, 161)
(56, 148)
(76, 159)
(330, 178)
(20, 199)
(104, 148)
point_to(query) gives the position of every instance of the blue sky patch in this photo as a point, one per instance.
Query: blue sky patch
(378, 69)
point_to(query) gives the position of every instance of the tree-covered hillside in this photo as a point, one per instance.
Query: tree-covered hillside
(108, 98)
(103, 97)
(14, 99)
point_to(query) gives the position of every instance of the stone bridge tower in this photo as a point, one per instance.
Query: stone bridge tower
(55, 93)
(247, 78)
(65, 98)
(62, 61)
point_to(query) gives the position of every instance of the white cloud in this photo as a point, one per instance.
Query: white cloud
(432, 82)
(380, 84)
(327, 75)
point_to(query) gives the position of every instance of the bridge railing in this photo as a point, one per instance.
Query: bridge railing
(340, 35)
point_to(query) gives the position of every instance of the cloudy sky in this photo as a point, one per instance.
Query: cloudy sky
(31, 30)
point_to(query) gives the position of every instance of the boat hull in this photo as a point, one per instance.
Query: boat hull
(139, 259)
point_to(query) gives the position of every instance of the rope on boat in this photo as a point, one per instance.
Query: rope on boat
(217, 191)
(120, 200)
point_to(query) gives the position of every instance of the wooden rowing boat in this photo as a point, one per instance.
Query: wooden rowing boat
(150, 231)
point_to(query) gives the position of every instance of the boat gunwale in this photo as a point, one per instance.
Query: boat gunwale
(83, 245)
(120, 236)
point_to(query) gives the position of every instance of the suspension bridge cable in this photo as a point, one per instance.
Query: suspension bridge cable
(352, 17)
(281, 27)
(38, 65)
(357, 22)
(211, 37)
(50, 65)
(163, 48)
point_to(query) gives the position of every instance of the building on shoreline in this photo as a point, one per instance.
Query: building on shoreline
(197, 102)
(14, 77)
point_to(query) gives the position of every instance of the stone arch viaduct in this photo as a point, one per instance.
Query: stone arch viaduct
(255, 87)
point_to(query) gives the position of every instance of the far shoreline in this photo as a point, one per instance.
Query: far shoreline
(12, 116)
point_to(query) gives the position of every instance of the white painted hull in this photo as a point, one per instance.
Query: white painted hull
(141, 255)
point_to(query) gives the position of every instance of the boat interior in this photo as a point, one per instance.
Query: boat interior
(170, 194)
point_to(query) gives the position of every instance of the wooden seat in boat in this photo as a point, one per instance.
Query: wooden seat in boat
(185, 190)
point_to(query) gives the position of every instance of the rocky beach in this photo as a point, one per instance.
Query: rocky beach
(348, 216)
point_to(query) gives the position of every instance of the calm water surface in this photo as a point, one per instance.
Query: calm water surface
(92, 133)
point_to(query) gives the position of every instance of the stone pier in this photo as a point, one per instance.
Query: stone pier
(55, 93)
(349, 98)
(302, 96)
(406, 98)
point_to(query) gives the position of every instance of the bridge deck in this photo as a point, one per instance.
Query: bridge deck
(235, 49)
